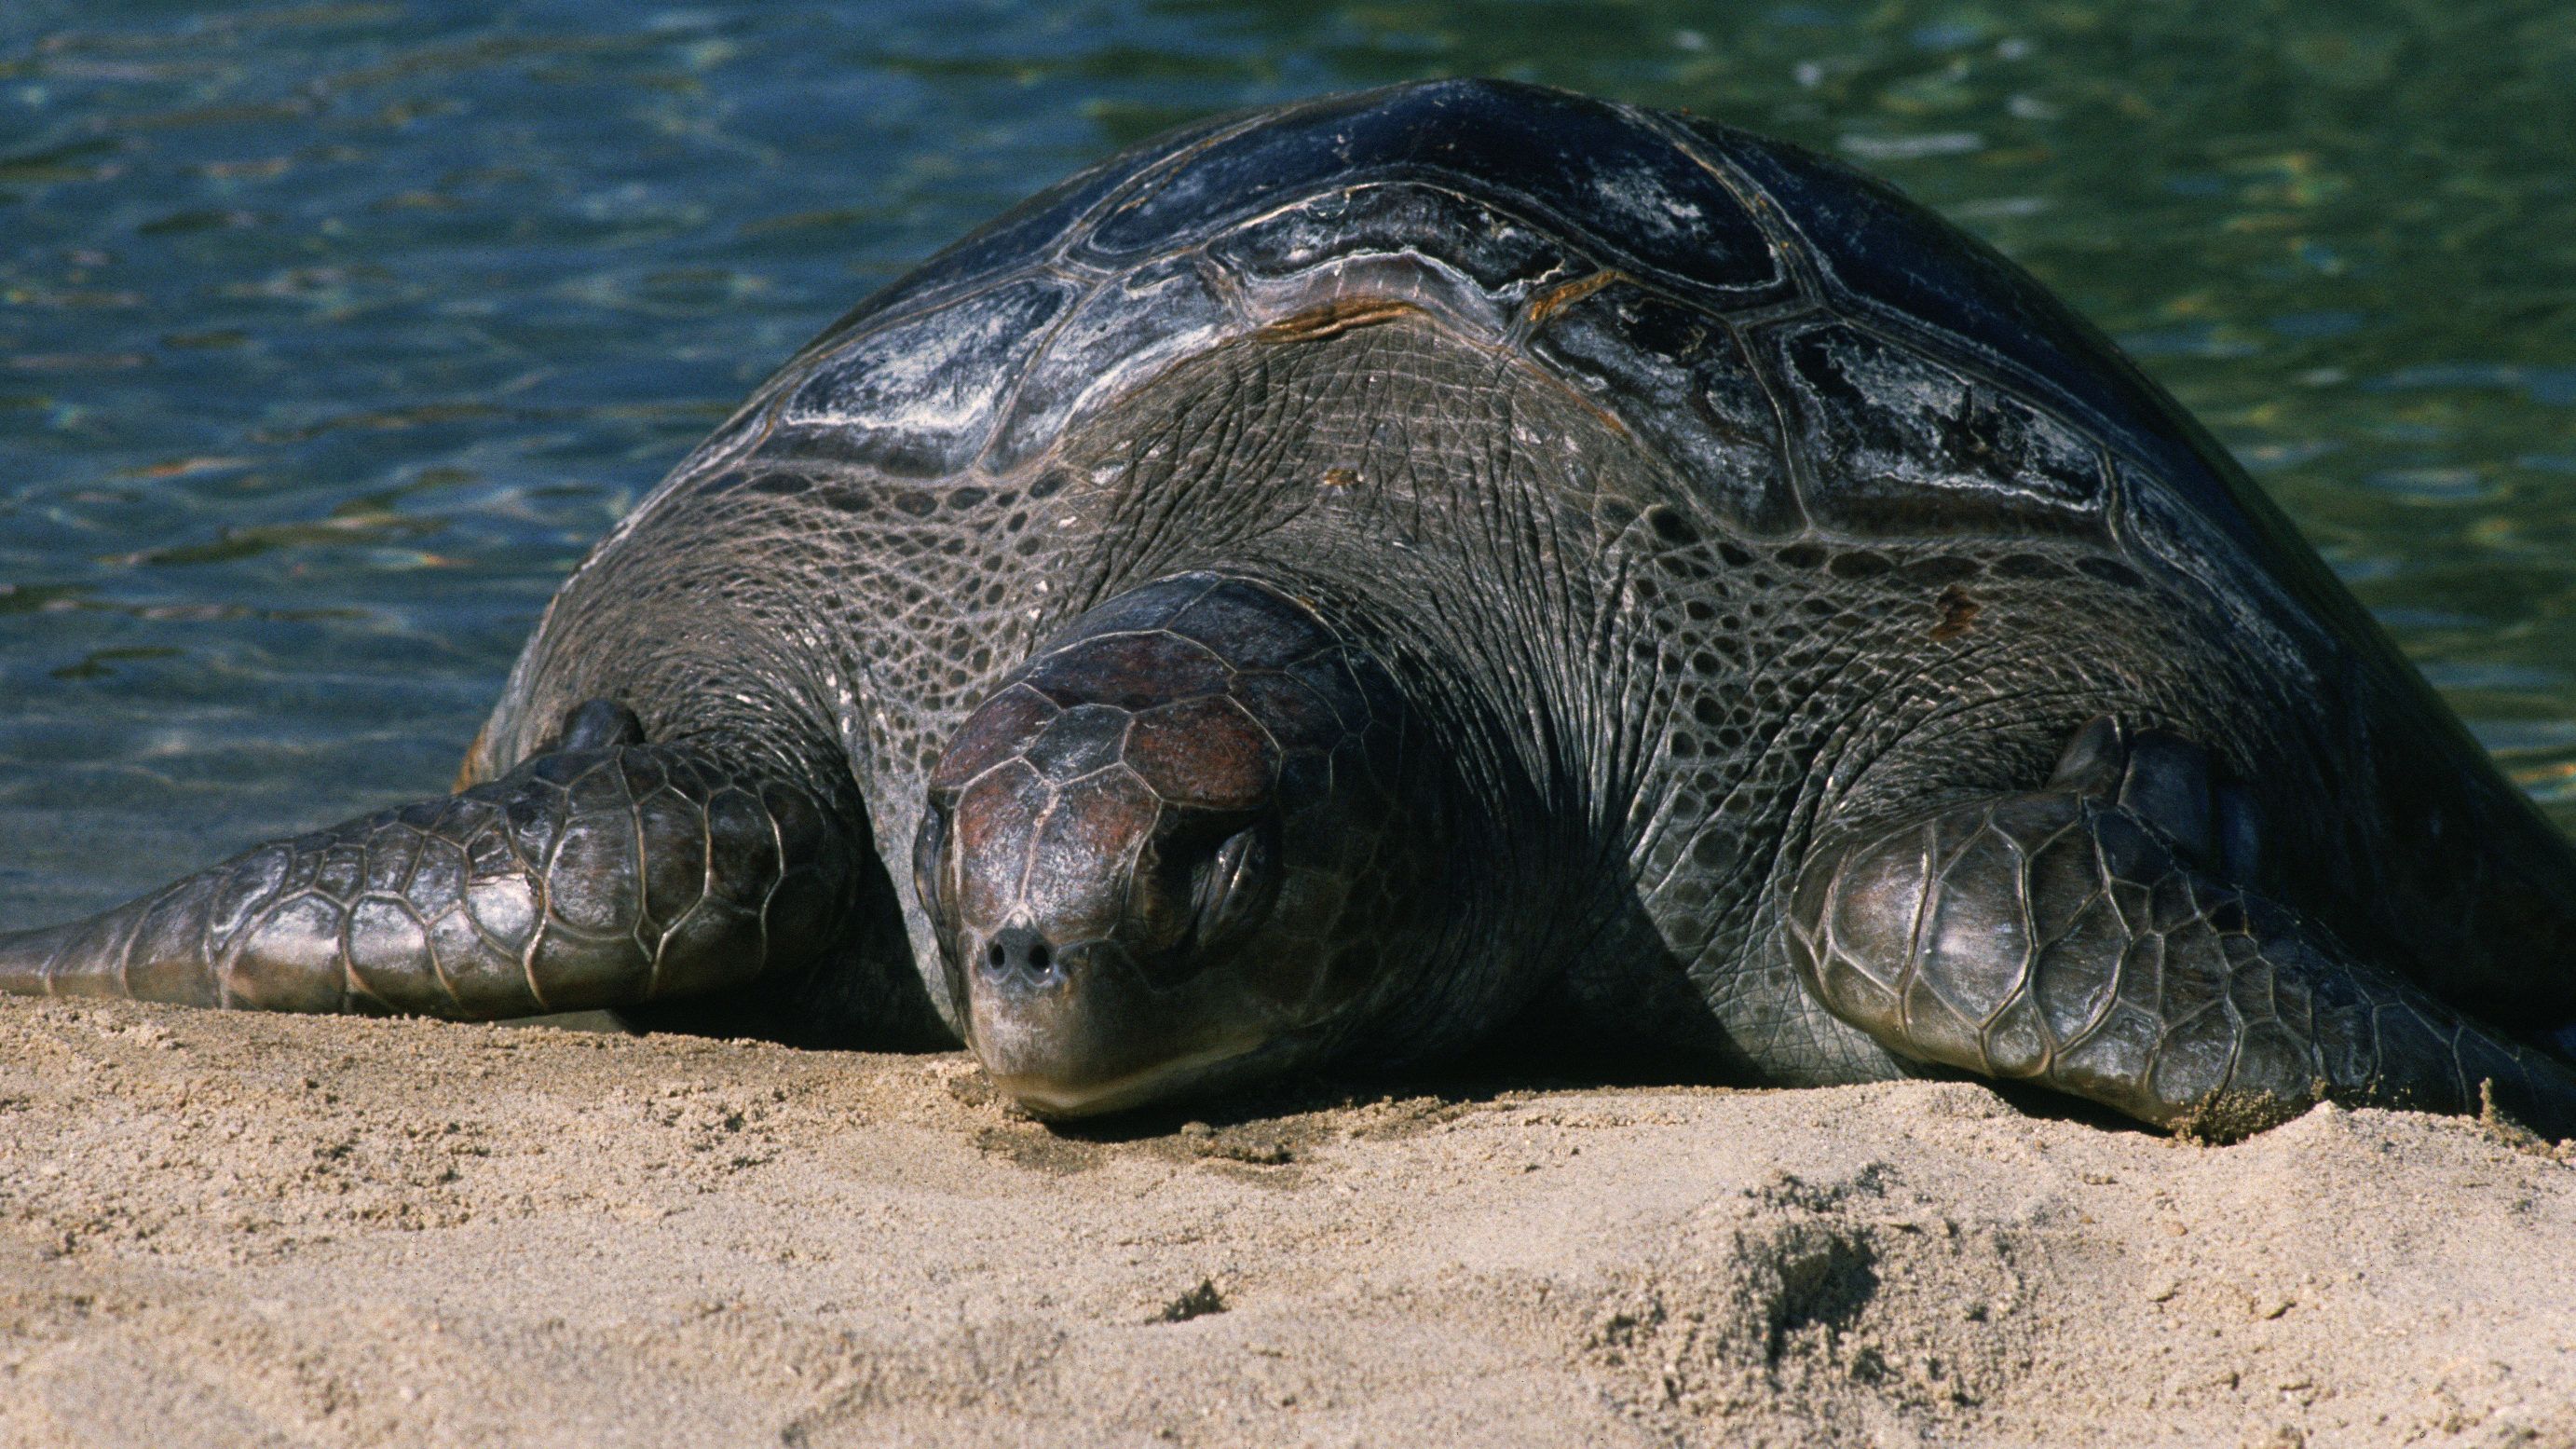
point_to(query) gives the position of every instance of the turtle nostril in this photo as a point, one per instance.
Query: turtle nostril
(1020, 955)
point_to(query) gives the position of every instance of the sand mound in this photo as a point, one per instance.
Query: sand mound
(254, 1230)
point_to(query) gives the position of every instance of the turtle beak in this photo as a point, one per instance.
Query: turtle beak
(1074, 1030)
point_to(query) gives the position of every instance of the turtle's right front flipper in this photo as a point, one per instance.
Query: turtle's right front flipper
(2092, 936)
(604, 873)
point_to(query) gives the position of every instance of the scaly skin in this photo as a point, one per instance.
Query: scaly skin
(588, 877)
(2061, 936)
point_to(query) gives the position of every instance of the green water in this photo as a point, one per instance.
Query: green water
(331, 335)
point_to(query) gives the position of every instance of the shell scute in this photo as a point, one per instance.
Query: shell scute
(1126, 330)
(1395, 239)
(917, 398)
(1036, 230)
(1885, 258)
(1620, 184)
(1901, 443)
(1874, 247)
(1679, 378)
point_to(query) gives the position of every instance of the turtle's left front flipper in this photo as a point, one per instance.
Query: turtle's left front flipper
(605, 873)
(2089, 936)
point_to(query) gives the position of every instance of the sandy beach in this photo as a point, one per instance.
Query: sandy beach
(249, 1230)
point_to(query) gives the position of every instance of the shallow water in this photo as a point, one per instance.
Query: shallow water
(331, 335)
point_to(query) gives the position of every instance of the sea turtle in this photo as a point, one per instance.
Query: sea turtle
(1350, 579)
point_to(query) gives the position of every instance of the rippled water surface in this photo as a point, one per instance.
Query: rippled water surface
(331, 335)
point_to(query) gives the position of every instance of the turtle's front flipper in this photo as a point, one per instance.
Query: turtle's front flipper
(607, 872)
(2087, 936)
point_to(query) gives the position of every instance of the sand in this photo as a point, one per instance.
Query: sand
(248, 1230)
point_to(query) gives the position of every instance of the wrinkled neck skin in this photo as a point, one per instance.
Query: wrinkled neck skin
(1203, 835)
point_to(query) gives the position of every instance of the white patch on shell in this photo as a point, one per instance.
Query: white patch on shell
(1640, 195)
(934, 378)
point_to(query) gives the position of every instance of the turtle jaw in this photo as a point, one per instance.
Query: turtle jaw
(1084, 1034)
(1051, 1098)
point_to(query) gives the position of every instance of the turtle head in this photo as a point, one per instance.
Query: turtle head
(1152, 855)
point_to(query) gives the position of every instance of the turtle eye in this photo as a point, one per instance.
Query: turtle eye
(1235, 886)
